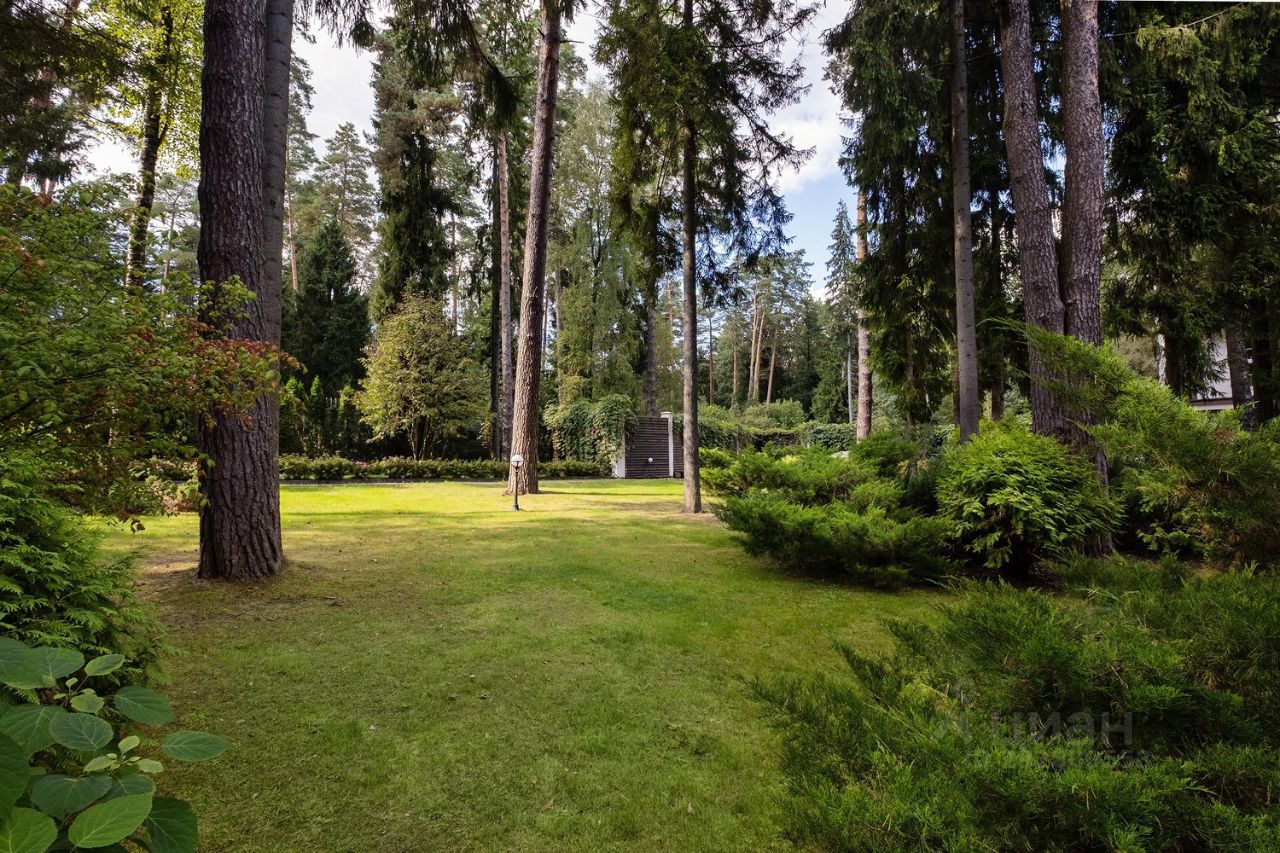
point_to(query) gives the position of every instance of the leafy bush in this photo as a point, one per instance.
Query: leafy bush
(590, 432)
(893, 454)
(861, 538)
(1193, 480)
(827, 436)
(75, 776)
(783, 414)
(1016, 498)
(821, 513)
(719, 428)
(56, 586)
(1096, 720)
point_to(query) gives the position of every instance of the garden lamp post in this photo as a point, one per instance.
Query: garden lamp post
(516, 461)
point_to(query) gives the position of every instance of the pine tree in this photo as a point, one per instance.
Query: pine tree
(326, 324)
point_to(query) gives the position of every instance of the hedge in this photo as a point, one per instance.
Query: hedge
(294, 467)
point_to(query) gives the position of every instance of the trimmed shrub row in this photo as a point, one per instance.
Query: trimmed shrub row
(337, 468)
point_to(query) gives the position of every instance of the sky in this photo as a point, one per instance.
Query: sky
(341, 77)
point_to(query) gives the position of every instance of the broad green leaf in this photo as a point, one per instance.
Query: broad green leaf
(104, 665)
(109, 821)
(143, 706)
(60, 795)
(13, 774)
(53, 664)
(130, 785)
(134, 783)
(27, 831)
(173, 827)
(102, 762)
(18, 666)
(28, 725)
(89, 703)
(193, 746)
(84, 732)
(150, 765)
(129, 744)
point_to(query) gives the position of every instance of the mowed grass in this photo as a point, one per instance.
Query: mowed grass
(436, 672)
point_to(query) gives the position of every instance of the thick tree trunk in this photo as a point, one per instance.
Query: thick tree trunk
(689, 200)
(968, 401)
(997, 395)
(528, 380)
(864, 335)
(507, 368)
(240, 482)
(1037, 255)
(1238, 366)
(651, 348)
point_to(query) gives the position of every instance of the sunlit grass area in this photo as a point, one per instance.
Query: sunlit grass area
(437, 672)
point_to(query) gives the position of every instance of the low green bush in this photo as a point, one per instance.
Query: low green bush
(808, 477)
(403, 468)
(57, 588)
(76, 773)
(1016, 498)
(866, 538)
(827, 436)
(1136, 717)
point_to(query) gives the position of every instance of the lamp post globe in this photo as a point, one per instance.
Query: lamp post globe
(516, 461)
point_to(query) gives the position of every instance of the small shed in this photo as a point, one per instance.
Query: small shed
(652, 451)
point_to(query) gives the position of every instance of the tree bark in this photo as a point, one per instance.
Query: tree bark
(848, 379)
(773, 358)
(1238, 366)
(711, 360)
(1037, 255)
(528, 380)
(149, 152)
(968, 401)
(689, 199)
(1085, 163)
(240, 481)
(864, 335)
(507, 369)
(651, 348)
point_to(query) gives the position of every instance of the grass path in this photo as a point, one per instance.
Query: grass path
(436, 672)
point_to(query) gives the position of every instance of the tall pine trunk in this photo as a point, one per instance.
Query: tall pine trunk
(968, 402)
(149, 152)
(1238, 365)
(240, 482)
(651, 345)
(848, 379)
(524, 423)
(773, 359)
(506, 373)
(1037, 255)
(689, 200)
(864, 334)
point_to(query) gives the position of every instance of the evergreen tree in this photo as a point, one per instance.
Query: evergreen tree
(706, 95)
(326, 322)
(340, 190)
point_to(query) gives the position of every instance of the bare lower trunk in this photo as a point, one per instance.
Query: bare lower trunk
(506, 372)
(240, 481)
(848, 378)
(968, 402)
(711, 361)
(1238, 366)
(733, 401)
(689, 199)
(528, 379)
(997, 396)
(864, 335)
(773, 358)
(651, 349)
(1037, 256)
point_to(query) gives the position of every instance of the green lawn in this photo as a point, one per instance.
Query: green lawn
(436, 672)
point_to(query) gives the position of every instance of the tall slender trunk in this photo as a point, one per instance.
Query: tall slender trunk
(689, 199)
(711, 360)
(733, 400)
(495, 279)
(1082, 209)
(136, 263)
(651, 346)
(506, 372)
(997, 394)
(1037, 255)
(168, 247)
(457, 273)
(864, 334)
(848, 378)
(524, 422)
(240, 482)
(773, 359)
(968, 402)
